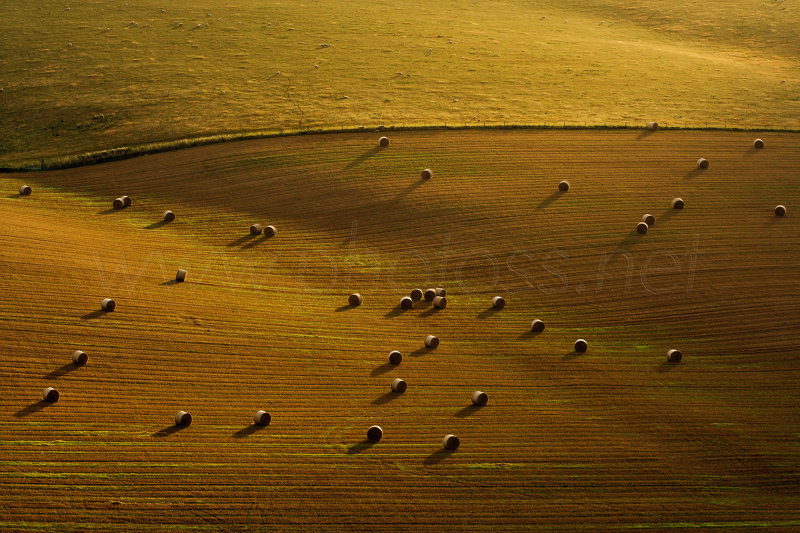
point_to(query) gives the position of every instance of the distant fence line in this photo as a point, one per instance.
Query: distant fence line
(117, 154)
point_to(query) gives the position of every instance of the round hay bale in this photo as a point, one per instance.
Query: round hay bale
(50, 395)
(427, 174)
(581, 346)
(674, 356)
(440, 291)
(256, 229)
(25, 190)
(537, 326)
(440, 302)
(355, 299)
(758, 143)
(479, 398)
(652, 126)
(780, 211)
(118, 203)
(126, 200)
(648, 219)
(563, 186)
(406, 302)
(642, 228)
(395, 357)
(270, 231)
(702, 163)
(430, 294)
(384, 142)
(108, 305)
(262, 418)
(79, 357)
(677, 203)
(374, 434)
(169, 216)
(183, 419)
(432, 342)
(416, 295)
(498, 302)
(180, 275)
(451, 442)
(399, 386)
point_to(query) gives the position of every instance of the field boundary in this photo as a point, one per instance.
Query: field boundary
(129, 152)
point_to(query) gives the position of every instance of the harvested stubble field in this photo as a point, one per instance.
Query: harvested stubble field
(613, 438)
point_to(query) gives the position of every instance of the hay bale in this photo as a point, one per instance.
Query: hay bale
(677, 203)
(440, 291)
(183, 419)
(451, 442)
(758, 143)
(126, 200)
(355, 299)
(262, 418)
(180, 275)
(674, 356)
(440, 302)
(399, 386)
(581, 346)
(652, 126)
(432, 342)
(108, 305)
(406, 302)
(395, 357)
(430, 294)
(374, 433)
(384, 142)
(256, 229)
(416, 295)
(642, 228)
(780, 211)
(648, 219)
(563, 186)
(537, 326)
(50, 395)
(118, 203)
(427, 174)
(498, 302)
(270, 231)
(479, 399)
(702, 163)
(169, 216)
(79, 357)
(25, 190)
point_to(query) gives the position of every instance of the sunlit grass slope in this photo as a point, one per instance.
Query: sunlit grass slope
(613, 437)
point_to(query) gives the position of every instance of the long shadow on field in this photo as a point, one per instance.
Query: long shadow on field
(420, 351)
(549, 200)
(631, 238)
(668, 214)
(362, 446)
(247, 431)
(363, 157)
(255, 242)
(61, 371)
(385, 398)
(397, 311)
(408, 190)
(530, 334)
(170, 282)
(487, 313)
(666, 366)
(438, 457)
(345, 307)
(158, 224)
(645, 134)
(167, 431)
(468, 410)
(380, 370)
(429, 312)
(108, 211)
(693, 173)
(13, 195)
(241, 240)
(32, 408)
(94, 314)
(572, 355)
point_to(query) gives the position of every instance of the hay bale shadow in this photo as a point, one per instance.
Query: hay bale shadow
(385, 398)
(530, 334)
(170, 282)
(344, 307)
(241, 240)
(108, 211)
(693, 173)
(383, 369)
(363, 157)
(32, 408)
(468, 410)
(411, 188)
(631, 238)
(572, 355)
(61, 371)
(167, 431)
(644, 134)
(666, 366)
(397, 311)
(666, 215)
(420, 351)
(94, 314)
(255, 242)
(158, 224)
(247, 431)
(13, 195)
(438, 456)
(429, 312)
(487, 313)
(359, 447)
(549, 200)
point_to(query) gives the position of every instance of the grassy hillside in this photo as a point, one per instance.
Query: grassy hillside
(615, 437)
(99, 76)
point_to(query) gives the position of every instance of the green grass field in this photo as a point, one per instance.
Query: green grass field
(100, 76)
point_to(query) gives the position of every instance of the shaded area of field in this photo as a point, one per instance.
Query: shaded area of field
(612, 437)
